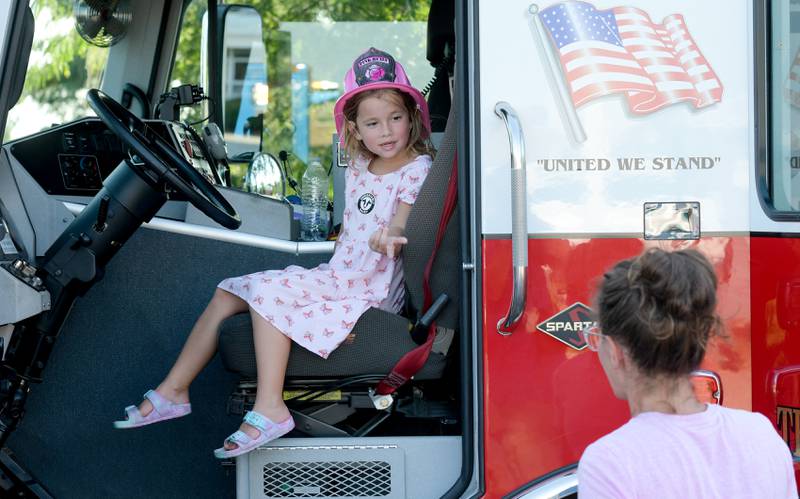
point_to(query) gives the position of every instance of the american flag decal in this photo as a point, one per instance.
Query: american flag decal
(621, 50)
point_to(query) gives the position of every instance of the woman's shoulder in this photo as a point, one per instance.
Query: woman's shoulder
(739, 415)
(603, 469)
(715, 420)
(755, 431)
(753, 423)
(616, 447)
(627, 434)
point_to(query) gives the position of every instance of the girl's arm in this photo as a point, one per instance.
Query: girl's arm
(390, 240)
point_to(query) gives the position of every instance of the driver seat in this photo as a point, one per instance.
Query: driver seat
(379, 338)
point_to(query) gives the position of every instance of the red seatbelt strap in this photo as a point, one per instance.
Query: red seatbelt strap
(413, 361)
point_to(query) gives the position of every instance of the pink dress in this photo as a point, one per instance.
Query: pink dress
(318, 307)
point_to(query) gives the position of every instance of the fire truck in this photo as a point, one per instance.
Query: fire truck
(151, 149)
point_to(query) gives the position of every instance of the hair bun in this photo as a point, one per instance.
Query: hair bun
(672, 280)
(661, 306)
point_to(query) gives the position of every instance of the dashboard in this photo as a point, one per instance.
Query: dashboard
(74, 159)
(70, 162)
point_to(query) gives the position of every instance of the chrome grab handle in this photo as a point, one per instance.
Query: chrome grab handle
(519, 219)
(705, 373)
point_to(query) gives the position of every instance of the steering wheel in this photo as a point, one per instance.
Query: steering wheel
(163, 160)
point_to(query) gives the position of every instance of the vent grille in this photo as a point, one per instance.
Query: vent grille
(328, 479)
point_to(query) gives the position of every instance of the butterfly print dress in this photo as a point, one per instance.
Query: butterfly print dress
(318, 307)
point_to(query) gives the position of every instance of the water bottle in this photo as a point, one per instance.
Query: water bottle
(314, 226)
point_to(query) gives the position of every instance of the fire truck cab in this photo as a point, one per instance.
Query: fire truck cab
(151, 149)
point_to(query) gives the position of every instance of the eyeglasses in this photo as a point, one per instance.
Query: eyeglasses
(592, 336)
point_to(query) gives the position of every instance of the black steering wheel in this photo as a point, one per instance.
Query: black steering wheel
(163, 160)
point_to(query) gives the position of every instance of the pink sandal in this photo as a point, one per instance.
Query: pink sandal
(163, 409)
(269, 431)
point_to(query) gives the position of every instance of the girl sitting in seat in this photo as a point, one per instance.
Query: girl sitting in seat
(384, 125)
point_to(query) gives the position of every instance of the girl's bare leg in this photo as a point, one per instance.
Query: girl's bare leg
(198, 350)
(272, 355)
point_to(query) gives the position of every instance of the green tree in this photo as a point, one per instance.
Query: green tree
(68, 62)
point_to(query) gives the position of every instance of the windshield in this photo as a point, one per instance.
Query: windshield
(307, 49)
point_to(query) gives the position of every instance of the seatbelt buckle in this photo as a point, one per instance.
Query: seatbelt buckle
(381, 402)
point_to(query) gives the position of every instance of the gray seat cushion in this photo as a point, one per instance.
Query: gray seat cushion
(377, 342)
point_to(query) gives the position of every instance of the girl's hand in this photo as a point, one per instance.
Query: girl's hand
(388, 241)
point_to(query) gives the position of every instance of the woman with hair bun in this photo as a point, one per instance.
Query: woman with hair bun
(656, 314)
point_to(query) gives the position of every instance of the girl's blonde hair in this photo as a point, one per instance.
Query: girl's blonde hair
(417, 145)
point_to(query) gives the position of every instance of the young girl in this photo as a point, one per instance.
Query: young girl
(384, 125)
(656, 315)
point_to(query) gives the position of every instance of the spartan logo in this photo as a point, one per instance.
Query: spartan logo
(366, 203)
(566, 326)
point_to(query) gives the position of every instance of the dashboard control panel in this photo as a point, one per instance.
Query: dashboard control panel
(80, 171)
(192, 151)
(74, 159)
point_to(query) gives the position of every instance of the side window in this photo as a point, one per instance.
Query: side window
(783, 170)
(61, 69)
(309, 46)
